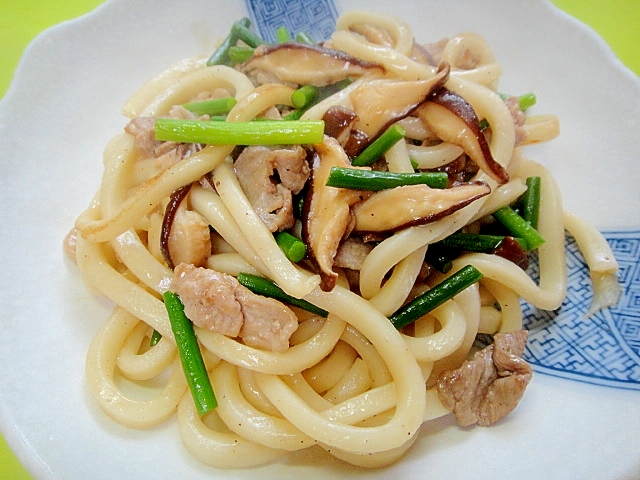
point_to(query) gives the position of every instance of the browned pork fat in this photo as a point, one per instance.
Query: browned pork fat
(485, 389)
(217, 302)
(271, 195)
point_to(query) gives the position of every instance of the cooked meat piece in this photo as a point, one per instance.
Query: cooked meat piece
(351, 254)
(519, 118)
(209, 298)
(268, 324)
(144, 133)
(488, 387)
(216, 301)
(173, 152)
(433, 51)
(179, 112)
(269, 178)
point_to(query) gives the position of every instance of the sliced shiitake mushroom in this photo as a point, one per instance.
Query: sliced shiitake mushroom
(453, 120)
(410, 205)
(326, 216)
(300, 64)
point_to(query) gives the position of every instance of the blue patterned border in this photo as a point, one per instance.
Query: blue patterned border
(315, 17)
(604, 349)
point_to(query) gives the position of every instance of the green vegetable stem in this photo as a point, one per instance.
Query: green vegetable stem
(242, 32)
(283, 35)
(239, 54)
(531, 201)
(519, 227)
(267, 132)
(435, 297)
(379, 146)
(216, 106)
(355, 178)
(304, 96)
(292, 246)
(267, 288)
(475, 242)
(221, 55)
(190, 355)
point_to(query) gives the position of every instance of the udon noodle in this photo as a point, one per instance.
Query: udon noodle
(349, 383)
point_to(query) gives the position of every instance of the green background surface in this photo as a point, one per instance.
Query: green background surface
(617, 22)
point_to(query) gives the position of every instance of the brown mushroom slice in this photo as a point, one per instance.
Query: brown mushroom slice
(381, 102)
(185, 235)
(296, 63)
(453, 120)
(326, 217)
(410, 205)
(339, 123)
(190, 238)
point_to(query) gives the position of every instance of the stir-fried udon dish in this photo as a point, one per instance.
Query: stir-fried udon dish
(325, 244)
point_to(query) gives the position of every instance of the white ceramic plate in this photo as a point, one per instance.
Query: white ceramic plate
(62, 109)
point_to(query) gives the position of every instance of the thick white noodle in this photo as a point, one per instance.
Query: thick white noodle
(100, 372)
(134, 106)
(292, 280)
(603, 267)
(351, 383)
(399, 30)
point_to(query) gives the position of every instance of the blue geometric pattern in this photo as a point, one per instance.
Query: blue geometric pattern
(604, 349)
(315, 17)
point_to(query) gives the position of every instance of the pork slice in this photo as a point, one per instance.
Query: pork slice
(209, 298)
(144, 133)
(352, 253)
(519, 118)
(268, 323)
(218, 302)
(433, 51)
(489, 386)
(269, 178)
